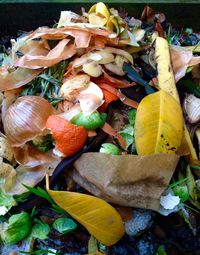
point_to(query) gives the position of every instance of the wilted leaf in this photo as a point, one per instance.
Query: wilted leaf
(158, 125)
(98, 217)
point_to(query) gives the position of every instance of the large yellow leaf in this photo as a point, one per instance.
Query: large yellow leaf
(98, 217)
(158, 125)
(166, 82)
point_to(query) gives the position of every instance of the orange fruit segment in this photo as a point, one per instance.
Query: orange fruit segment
(108, 98)
(69, 138)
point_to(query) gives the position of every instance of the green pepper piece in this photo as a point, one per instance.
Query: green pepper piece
(90, 122)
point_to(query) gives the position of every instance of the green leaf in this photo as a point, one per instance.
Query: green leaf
(33, 212)
(93, 245)
(40, 230)
(128, 134)
(7, 200)
(131, 116)
(39, 252)
(189, 86)
(109, 148)
(174, 184)
(42, 193)
(134, 76)
(182, 192)
(195, 167)
(191, 183)
(39, 192)
(161, 251)
(17, 228)
(22, 197)
(129, 139)
(128, 129)
(64, 225)
(90, 122)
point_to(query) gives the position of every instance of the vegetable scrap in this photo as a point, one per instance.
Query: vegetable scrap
(106, 107)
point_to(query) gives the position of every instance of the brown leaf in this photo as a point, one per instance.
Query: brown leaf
(127, 180)
(150, 15)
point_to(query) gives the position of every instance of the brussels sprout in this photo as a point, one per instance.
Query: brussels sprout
(90, 122)
(17, 228)
(109, 148)
(40, 230)
(64, 225)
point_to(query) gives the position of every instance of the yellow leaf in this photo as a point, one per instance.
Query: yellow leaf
(158, 125)
(98, 217)
(167, 83)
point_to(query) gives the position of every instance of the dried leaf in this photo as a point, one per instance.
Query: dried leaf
(150, 15)
(117, 179)
(158, 125)
(7, 175)
(99, 218)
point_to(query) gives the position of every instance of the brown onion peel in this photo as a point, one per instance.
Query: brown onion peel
(26, 119)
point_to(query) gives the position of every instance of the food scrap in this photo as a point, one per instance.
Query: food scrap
(106, 107)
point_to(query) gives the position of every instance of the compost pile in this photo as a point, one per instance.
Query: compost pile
(100, 136)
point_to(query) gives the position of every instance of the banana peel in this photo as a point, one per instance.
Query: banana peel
(166, 82)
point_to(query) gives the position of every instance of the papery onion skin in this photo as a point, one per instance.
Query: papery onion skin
(26, 119)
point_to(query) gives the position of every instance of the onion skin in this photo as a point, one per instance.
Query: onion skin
(26, 119)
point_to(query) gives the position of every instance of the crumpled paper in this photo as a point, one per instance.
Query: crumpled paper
(126, 180)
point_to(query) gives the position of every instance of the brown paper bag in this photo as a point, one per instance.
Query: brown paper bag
(126, 180)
